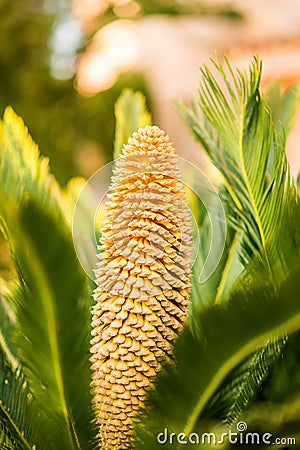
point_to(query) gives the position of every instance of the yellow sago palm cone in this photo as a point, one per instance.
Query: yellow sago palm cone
(143, 281)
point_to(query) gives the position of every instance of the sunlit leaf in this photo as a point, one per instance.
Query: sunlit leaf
(131, 114)
(23, 170)
(238, 134)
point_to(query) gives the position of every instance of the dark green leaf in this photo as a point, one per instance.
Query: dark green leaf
(52, 317)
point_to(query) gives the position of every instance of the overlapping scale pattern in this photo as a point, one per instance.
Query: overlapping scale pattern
(143, 280)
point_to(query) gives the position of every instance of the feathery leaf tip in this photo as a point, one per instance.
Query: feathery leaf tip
(143, 280)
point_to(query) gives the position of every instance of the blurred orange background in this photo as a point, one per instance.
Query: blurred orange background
(97, 47)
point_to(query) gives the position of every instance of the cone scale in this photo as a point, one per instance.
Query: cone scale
(143, 281)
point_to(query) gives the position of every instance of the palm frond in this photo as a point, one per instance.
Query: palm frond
(23, 422)
(245, 139)
(229, 333)
(245, 381)
(238, 134)
(54, 354)
(51, 290)
(7, 320)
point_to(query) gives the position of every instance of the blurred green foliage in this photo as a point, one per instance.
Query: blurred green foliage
(61, 120)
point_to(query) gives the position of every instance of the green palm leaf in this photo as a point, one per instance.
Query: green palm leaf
(22, 169)
(242, 383)
(7, 320)
(238, 134)
(50, 300)
(52, 321)
(9, 440)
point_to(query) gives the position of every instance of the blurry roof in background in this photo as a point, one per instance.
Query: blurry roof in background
(120, 41)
